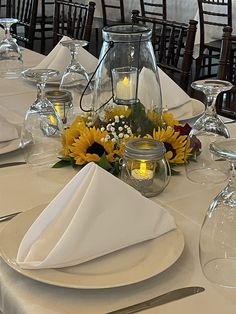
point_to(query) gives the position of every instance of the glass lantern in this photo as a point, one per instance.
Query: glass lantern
(144, 166)
(126, 81)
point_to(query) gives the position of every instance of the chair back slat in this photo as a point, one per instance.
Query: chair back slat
(153, 9)
(173, 45)
(114, 6)
(215, 13)
(226, 102)
(72, 19)
(26, 12)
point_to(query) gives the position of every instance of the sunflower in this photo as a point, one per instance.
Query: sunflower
(91, 145)
(169, 119)
(117, 111)
(177, 146)
(154, 117)
(71, 133)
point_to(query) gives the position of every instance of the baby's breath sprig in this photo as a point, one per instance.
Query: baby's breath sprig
(117, 129)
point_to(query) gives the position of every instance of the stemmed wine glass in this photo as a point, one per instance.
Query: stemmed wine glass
(208, 128)
(11, 60)
(75, 77)
(42, 130)
(217, 245)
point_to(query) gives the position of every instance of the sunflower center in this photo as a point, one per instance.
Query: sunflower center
(96, 148)
(169, 147)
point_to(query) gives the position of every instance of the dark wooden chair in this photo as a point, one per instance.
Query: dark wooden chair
(44, 22)
(155, 8)
(213, 14)
(116, 6)
(226, 102)
(72, 19)
(26, 12)
(173, 46)
(3, 7)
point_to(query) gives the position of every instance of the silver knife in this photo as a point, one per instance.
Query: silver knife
(14, 163)
(161, 299)
(9, 216)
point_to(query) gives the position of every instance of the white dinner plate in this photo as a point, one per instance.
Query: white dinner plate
(51, 81)
(124, 267)
(189, 111)
(10, 146)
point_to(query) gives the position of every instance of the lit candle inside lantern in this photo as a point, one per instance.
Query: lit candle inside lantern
(124, 83)
(142, 173)
(124, 89)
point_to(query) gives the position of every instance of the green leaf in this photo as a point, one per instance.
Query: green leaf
(62, 163)
(104, 163)
(138, 112)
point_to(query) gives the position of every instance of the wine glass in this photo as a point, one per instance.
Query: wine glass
(42, 130)
(11, 60)
(209, 127)
(75, 78)
(217, 246)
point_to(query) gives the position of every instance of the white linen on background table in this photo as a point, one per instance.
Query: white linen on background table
(177, 10)
(213, 32)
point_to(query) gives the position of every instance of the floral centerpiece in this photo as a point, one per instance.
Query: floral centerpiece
(89, 139)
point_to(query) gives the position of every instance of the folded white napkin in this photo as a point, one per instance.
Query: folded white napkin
(8, 131)
(59, 58)
(95, 214)
(173, 97)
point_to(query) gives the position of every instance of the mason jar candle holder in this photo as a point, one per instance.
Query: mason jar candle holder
(125, 85)
(62, 101)
(144, 166)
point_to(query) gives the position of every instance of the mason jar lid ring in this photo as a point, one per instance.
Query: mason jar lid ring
(60, 96)
(145, 148)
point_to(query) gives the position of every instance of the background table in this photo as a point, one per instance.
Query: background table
(22, 188)
(179, 10)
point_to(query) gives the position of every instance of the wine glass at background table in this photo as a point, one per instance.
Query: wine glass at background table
(42, 130)
(11, 60)
(217, 245)
(75, 77)
(208, 168)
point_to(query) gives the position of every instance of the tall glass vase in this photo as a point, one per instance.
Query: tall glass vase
(127, 81)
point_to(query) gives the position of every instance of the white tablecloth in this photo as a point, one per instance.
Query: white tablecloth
(22, 188)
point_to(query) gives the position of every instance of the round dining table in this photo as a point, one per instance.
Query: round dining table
(22, 188)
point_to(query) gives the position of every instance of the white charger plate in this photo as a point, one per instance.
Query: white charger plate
(192, 113)
(124, 267)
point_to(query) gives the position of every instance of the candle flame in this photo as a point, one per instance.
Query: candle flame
(126, 81)
(143, 167)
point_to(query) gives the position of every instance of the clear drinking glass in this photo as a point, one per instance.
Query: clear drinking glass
(42, 130)
(75, 77)
(207, 129)
(217, 247)
(11, 60)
